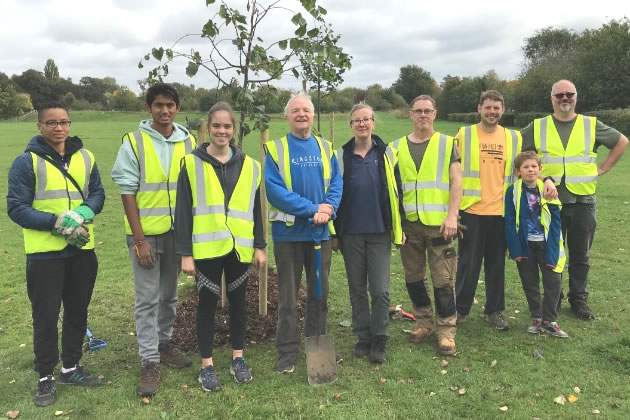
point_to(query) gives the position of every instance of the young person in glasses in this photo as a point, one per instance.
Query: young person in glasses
(368, 221)
(430, 188)
(55, 191)
(567, 143)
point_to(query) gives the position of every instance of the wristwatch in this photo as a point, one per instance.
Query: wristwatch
(548, 177)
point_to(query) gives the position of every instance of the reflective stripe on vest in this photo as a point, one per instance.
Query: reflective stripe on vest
(578, 162)
(217, 230)
(471, 184)
(426, 190)
(279, 150)
(392, 191)
(156, 194)
(55, 194)
(545, 217)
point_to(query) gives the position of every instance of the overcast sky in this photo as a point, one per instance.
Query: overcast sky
(102, 38)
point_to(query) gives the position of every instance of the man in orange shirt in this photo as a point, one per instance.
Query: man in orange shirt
(487, 151)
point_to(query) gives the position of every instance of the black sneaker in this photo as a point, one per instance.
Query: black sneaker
(208, 379)
(285, 364)
(498, 321)
(78, 376)
(553, 329)
(377, 349)
(239, 370)
(581, 310)
(361, 349)
(45, 394)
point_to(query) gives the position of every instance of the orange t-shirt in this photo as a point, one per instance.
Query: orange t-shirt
(491, 172)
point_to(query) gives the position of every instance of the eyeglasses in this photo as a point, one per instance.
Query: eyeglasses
(361, 121)
(422, 111)
(54, 124)
(559, 96)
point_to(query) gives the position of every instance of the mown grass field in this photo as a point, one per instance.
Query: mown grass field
(411, 384)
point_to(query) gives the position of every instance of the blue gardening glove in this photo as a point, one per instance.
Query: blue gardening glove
(85, 212)
(79, 237)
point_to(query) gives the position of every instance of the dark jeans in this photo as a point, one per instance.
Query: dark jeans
(235, 273)
(483, 241)
(291, 258)
(367, 260)
(578, 228)
(49, 283)
(540, 308)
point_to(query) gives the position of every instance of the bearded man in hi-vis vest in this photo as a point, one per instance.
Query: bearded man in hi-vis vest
(567, 144)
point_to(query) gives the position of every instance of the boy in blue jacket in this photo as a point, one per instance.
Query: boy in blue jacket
(534, 238)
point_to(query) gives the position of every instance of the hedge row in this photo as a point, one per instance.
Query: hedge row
(616, 118)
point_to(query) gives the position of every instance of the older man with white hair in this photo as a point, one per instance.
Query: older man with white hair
(304, 189)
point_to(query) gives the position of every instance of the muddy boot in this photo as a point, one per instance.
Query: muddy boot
(424, 323)
(446, 346)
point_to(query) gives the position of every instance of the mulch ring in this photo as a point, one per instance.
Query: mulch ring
(259, 328)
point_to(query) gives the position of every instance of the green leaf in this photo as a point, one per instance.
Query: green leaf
(282, 44)
(140, 65)
(147, 57)
(157, 53)
(301, 30)
(295, 73)
(296, 18)
(223, 11)
(192, 68)
(313, 32)
(322, 10)
(169, 54)
(209, 29)
(210, 2)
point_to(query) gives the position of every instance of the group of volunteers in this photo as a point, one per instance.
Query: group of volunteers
(196, 208)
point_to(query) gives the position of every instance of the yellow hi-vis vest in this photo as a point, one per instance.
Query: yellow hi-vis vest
(471, 184)
(218, 230)
(279, 151)
(545, 217)
(425, 190)
(55, 194)
(157, 191)
(392, 191)
(578, 162)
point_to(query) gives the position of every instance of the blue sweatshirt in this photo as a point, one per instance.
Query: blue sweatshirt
(308, 189)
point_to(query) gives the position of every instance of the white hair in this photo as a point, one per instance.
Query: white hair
(561, 80)
(303, 95)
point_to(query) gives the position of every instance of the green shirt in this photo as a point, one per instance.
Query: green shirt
(604, 135)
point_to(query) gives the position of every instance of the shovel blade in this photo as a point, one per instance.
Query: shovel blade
(320, 360)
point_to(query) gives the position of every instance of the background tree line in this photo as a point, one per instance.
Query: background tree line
(597, 60)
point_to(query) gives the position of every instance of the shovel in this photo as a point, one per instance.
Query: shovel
(320, 349)
(93, 342)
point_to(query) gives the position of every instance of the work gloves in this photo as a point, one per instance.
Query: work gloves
(71, 225)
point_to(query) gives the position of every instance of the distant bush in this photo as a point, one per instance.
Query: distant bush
(84, 105)
(524, 118)
(619, 119)
(507, 120)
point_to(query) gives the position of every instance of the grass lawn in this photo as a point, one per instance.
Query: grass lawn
(411, 384)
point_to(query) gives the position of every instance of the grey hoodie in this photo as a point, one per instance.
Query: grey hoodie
(228, 174)
(126, 173)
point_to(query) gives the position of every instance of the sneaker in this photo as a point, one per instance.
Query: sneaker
(534, 327)
(581, 310)
(377, 349)
(496, 319)
(172, 357)
(553, 329)
(420, 334)
(149, 383)
(460, 318)
(285, 364)
(446, 346)
(239, 370)
(78, 376)
(208, 379)
(45, 394)
(361, 349)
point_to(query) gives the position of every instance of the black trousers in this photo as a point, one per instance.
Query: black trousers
(578, 228)
(483, 241)
(49, 283)
(236, 283)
